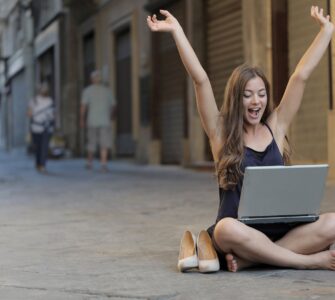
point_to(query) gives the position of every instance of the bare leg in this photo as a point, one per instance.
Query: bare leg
(311, 238)
(234, 263)
(250, 245)
(103, 157)
(320, 235)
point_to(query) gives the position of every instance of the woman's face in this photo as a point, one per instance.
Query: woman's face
(254, 101)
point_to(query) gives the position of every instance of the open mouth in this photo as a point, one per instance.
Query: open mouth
(254, 112)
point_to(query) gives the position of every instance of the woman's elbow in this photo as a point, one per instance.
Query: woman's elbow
(201, 79)
(301, 75)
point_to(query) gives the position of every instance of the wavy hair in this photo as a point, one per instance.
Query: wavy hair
(231, 125)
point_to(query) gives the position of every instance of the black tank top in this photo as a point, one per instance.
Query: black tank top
(229, 199)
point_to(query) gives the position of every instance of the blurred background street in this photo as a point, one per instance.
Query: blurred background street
(60, 42)
(77, 234)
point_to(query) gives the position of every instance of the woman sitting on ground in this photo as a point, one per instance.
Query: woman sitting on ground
(247, 131)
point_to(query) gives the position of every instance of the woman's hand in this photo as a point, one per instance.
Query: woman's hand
(170, 24)
(323, 21)
(292, 98)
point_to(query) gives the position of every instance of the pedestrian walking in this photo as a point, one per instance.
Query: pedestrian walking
(98, 104)
(41, 114)
(247, 131)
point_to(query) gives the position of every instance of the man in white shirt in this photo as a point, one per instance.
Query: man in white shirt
(98, 103)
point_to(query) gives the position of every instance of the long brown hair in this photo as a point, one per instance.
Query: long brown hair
(231, 127)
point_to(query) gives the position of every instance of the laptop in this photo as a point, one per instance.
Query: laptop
(282, 194)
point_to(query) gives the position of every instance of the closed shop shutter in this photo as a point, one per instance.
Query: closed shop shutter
(169, 80)
(224, 42)
(124, 143)
(88, 57)
(224, 45)
(308, 132)
(19, 108)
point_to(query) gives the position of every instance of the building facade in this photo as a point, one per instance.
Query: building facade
(17, 72)
(157, 120)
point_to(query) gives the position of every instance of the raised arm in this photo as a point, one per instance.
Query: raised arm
(293, 95)
(204, 94)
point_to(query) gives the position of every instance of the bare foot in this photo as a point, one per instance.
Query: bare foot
(231, 263)
(323, 260)
(235, 263)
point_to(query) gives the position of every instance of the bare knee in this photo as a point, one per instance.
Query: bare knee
(228, 232)
(327, 224)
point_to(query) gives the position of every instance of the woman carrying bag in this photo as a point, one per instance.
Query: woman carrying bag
(41, 114)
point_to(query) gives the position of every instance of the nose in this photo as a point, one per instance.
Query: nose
(255, 99)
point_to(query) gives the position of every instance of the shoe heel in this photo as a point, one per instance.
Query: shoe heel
(207, 258)
(188, 258)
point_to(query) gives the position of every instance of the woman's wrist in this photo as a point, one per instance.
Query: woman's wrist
(177, 30)
(328, 28)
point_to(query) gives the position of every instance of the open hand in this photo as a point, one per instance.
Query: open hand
(170, 23)
(323, 21)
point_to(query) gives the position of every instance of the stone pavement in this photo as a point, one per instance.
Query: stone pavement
(78, 234)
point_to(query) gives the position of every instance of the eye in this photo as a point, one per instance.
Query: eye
(246, 95)
(262, 95)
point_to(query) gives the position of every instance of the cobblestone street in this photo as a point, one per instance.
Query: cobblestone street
(78, 234)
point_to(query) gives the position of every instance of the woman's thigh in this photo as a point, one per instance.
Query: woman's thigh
(312, 237)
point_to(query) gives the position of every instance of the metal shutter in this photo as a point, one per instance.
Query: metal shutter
(224, 42)
(308, 132)
(124, 143)
(170, 80)
(19, 108)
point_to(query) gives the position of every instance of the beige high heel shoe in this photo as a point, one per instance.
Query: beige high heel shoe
(188, 258)
(207, 258)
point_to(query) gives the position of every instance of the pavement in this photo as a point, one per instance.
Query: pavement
(79, 234)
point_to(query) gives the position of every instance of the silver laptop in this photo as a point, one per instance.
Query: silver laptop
(282, 194)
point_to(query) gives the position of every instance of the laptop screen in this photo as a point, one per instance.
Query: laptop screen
(282, 190)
